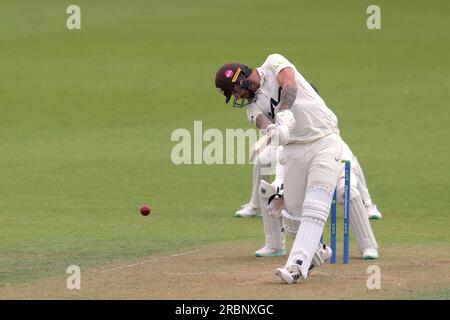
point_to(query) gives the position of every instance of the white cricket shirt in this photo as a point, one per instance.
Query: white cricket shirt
(313, 119)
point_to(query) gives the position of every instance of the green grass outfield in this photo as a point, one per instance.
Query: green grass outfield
(86, 118)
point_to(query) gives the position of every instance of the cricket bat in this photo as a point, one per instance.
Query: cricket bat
(261, 145)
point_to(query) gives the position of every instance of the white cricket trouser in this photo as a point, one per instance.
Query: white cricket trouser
(311, 173)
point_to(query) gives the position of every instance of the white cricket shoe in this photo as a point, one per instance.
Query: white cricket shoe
(373, 212)
(370, 254)
(270, 252)
(248, 211)
(290, 275)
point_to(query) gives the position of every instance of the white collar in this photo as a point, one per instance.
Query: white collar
(262, 76)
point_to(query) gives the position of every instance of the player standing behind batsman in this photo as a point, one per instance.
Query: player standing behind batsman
(312, 147)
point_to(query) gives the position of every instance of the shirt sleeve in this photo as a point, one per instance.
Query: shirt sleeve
(276, 62)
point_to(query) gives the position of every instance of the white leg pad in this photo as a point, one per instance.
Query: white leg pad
(359, 223)
(359, 220)
(315, 210)
(274, 237)
(257, 177)
(340, 191)
(362, 185)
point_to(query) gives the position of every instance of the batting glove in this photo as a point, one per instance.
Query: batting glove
(285, 118)
(280, 134)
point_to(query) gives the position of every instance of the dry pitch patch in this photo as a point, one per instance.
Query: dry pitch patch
(230, 271)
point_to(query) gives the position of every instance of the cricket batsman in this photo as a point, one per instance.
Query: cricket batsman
(312, 151)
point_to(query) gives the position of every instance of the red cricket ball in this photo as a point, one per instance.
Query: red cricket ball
(145, 210)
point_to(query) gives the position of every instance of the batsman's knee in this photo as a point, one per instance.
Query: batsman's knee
(316, 206)
(317, 203)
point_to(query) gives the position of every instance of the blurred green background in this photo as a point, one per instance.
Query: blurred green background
(86, 118)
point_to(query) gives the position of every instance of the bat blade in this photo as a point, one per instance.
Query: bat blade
(260, 146)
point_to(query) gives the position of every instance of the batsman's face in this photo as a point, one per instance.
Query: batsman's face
(242, 97)
(240, 93)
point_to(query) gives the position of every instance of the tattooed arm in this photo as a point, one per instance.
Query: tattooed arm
(286, 79)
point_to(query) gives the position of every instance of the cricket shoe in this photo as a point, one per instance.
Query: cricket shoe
(270, 252)
(290, 275)
(370, 254)
(373, 212)
(248, 211)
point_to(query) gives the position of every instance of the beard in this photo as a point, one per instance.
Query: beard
(250, 95)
